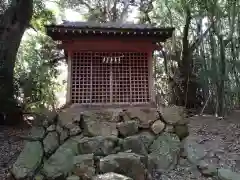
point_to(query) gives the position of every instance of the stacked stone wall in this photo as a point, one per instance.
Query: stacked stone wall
(99, 144)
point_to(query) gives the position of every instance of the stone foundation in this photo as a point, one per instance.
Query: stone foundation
(130, 143)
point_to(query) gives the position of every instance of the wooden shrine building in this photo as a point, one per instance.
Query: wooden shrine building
(110, 63)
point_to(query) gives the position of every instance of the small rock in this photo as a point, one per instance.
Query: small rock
(73, 129)
(127, 128)
(111, 176)
(117, 115)
(39, 177)
(84, 165)
(51, 142)
(128, 163)
(181, 131)
(98, 145)
(157, 127)
(28, 160)
(227, 174)
(169, 128)
(73, 178)
(99, 128)
(51, 128)
(64, 133)
(124, 116)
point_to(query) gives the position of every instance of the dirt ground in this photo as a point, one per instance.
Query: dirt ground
(10, 147)
(222, 136)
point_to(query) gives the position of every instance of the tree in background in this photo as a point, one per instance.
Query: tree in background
(13, 23)
(36, 74)
(205, 51)
(106, 10)
(201, 62)
(199, 67)
(16, 16)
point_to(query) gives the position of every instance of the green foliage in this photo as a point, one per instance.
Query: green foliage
(216, 63)
(214, 71)
(41, 16)
(36, 74)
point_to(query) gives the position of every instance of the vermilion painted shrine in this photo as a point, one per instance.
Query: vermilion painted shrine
(110, 63)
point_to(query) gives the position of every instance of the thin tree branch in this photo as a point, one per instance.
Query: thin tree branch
(199, 40)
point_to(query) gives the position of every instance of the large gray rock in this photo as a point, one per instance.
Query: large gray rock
(106, 115)
(207, 169)
(84, 166)
(165, 151)
(127, 128)
(174, 115)
(193, 151)
(97, 145)
(128, 164)
(134, 144)
(145, 116)
(147, 138)
(63, 133)
(100, 128)
(227, 174)
(61, 162)
(28, 160)
(37, 133)
(73, 129)
(138, 143)
(45, 118)
(51, 142)
(111, 176)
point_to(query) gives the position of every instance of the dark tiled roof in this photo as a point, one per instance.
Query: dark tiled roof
(106, 25)
(78, 29)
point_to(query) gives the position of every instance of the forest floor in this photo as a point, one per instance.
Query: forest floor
(222, 136)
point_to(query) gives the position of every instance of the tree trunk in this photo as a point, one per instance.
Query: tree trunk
(221, 92)
(186, 64)
(13, 24)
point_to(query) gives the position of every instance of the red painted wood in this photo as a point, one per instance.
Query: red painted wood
(95, 82)
(110, 45)
(98, 82)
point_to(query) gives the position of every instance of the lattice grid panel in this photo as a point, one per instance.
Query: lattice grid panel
(123, 81)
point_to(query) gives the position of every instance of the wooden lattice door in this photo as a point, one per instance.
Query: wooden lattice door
(110, 78)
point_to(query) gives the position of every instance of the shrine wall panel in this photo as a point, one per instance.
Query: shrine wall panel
(110, 77)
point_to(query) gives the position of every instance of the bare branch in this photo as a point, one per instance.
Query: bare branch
(199, 40)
